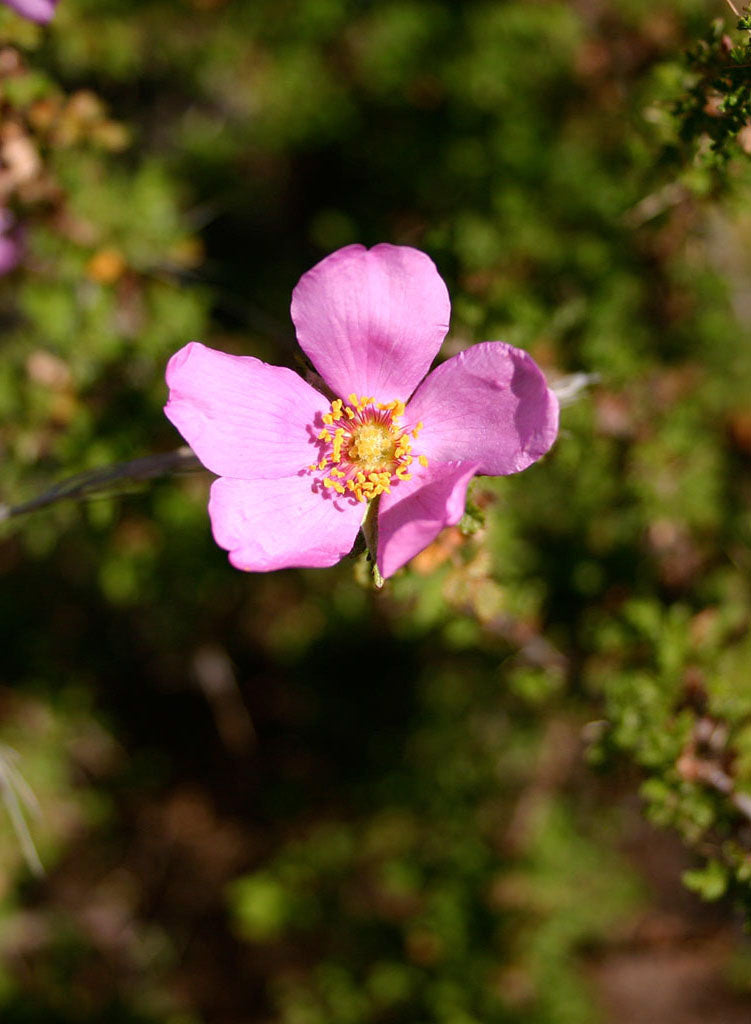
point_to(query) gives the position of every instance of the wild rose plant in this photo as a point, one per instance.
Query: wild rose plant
(300, 467)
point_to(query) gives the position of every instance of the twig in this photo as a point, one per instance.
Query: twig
(567, 389)
(718, 779)
(100, 481)
(653, 205)
(12, 783)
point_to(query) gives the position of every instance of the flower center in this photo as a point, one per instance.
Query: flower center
(364, 449)
(372, 447)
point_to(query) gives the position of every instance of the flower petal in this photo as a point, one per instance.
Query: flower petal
(243, 418)
(35, 10)
(372, 320)
(277, 524)
(416, 511)
(491, 405)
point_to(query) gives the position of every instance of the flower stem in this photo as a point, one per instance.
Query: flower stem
(369, 530)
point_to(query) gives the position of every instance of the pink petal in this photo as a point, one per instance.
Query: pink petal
(243, 418)
(372, 320)
(416, 511)
(277, 524)
(491, 405)
(35, 10)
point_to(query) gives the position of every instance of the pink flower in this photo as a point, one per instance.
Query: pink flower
(297, 468)
(11, 242)
(34, 10)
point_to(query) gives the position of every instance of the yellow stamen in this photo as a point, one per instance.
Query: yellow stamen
(403, 446)
(364, 448)
(333, 485)
(336, 451)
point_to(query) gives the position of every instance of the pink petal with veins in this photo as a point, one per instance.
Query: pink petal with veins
(416, 511)
(278, 524)
(490, 405)
(243, 418)
(372, 320)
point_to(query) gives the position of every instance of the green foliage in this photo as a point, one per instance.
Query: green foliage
(717, 104)
(430, 887)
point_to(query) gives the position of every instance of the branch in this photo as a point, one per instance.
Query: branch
(17, 796)
(100, 481)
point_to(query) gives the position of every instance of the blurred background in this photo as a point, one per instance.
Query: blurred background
(514, 787)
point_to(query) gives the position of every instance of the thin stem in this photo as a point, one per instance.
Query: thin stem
(101, 481)
(369, 529)
(9, 783)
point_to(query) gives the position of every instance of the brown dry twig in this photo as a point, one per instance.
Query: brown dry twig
(701, 762)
